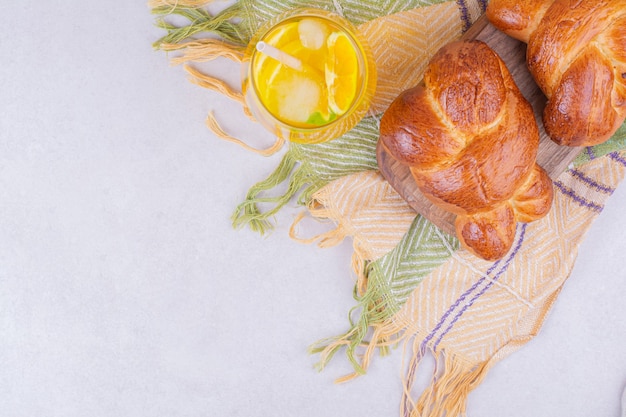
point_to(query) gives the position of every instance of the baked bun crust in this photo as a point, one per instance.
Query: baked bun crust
(470, 140)
(577, 55)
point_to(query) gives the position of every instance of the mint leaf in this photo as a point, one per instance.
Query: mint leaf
(318, 119)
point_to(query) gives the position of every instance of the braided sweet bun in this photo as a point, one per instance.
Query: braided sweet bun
(470, 140)
(577, 55)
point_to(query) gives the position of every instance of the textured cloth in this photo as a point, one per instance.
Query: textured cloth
(415, 286)
(471, 312)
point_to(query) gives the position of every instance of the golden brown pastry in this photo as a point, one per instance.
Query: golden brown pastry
(470, 140)
(577, 55)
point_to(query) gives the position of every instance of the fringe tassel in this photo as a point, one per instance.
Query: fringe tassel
(452, 381)
(367, 334)
(332, 238)
(324, 240)
(154, 4)
(453, 377)
(249, 213)
(221, 87)
(214, 84)
(200, 21)
(355, 337)
(203, 50)
(219, 132)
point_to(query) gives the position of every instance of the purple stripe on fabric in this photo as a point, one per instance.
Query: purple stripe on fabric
(580, 200)
(486, 288)
(591, 182)
(464, 15)
(616, 157)
(422, 351)
(590, 153)
(457, 303)
(483, 5)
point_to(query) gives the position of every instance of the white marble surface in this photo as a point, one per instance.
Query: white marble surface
(124, 290)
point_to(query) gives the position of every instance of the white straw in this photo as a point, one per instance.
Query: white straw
(279, 55)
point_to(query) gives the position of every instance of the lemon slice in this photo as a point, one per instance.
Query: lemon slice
(341, 72)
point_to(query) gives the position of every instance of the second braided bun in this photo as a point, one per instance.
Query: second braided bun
(577, 55)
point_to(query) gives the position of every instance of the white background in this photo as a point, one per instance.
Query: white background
(124, 290)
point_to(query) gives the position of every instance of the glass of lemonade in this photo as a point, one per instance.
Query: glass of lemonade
(308, 76)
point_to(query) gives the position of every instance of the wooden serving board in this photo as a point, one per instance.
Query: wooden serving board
(553, 158)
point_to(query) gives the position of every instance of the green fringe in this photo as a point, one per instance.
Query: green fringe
(390, 281)
(308, 168)
(372, 309)
(248, 213)
(226, 24)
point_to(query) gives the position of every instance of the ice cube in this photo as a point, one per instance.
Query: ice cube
(313, 33)
(298, 98)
